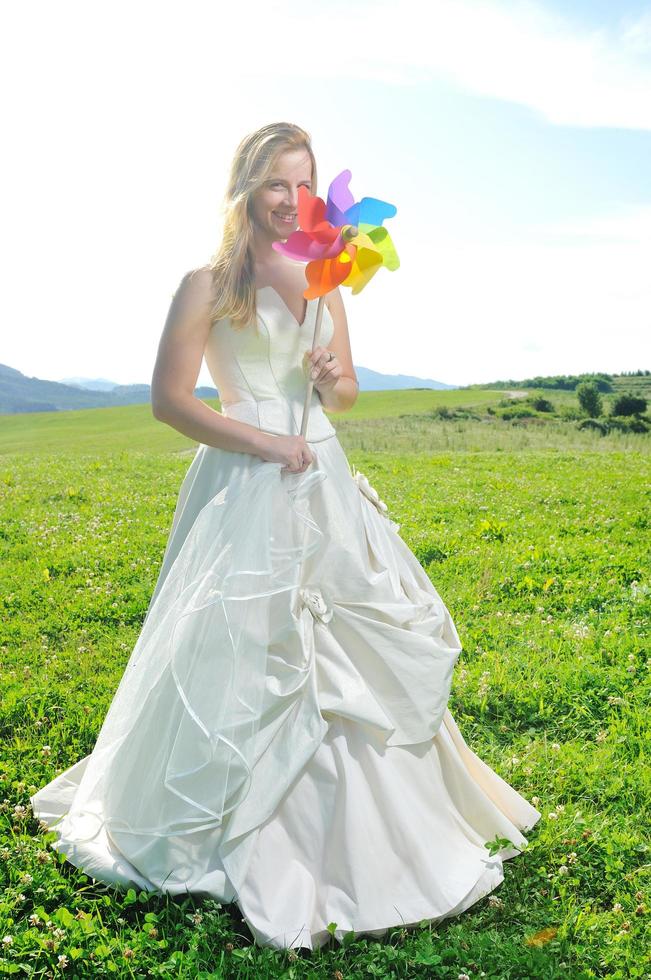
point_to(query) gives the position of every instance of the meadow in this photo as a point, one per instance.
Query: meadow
(535, 533)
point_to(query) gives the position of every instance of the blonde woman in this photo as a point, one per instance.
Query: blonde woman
(280, 737)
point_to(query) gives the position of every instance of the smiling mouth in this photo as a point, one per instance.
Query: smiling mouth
(286, 218)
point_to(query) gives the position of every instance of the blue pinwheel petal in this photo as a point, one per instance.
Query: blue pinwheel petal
(370, 211)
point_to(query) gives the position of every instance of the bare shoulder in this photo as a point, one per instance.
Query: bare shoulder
(189, 318)
(192, 301)
(197, 285)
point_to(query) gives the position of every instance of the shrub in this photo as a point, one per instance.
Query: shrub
(541, 404)
(595, 424)
(628, 404)
(589, 398)
(517, 412)
(442, 412)
(634, 423)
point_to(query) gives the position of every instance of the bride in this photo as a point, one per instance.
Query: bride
(280, 737)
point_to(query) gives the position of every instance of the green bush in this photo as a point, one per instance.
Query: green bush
(589, 398)
(595, 424)
(541, 404)
(517, 412)
(628, 404)
(629, 423)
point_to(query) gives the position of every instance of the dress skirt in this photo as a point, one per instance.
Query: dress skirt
(280, 737)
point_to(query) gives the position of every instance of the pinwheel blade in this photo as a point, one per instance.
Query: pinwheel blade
(365, 264)
(325, 275)
(340, 199)
(370, 211)
(382, 241)
(311, 210)
(307, 248)
(301, 246)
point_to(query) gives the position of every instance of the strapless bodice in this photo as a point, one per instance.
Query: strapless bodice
(258, 370)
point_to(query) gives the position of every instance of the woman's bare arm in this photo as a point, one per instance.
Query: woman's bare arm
(177, 367)
(343, 394)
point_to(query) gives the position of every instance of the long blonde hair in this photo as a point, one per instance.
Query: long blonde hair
(232, 264)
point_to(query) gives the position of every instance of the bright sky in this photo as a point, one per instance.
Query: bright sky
(513, 137)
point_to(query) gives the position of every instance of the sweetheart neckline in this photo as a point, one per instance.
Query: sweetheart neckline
(259, 289)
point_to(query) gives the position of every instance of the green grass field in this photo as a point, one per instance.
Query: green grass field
(536, 535)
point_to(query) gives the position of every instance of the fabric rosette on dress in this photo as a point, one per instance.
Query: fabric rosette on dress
(371, 494)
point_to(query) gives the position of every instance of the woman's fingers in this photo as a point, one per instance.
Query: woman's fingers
(319, 357)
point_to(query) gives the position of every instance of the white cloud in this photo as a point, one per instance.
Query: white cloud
(517, 52)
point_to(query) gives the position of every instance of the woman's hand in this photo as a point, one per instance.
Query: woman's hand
(291, 450)
(324, 373)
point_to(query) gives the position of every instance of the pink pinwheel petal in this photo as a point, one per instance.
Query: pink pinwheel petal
(305, 248)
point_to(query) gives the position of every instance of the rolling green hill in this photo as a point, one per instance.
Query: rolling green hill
(412, 420)
(134, 426)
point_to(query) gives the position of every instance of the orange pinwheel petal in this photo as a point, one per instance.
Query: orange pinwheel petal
(326, 274)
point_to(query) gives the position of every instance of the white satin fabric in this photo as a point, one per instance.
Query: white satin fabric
(280, 736)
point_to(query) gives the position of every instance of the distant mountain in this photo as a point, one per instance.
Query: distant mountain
(368, 381)
(92, 384)
(19, 394)
(374, 381)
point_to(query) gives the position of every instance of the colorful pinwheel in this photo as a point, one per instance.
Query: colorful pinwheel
(342, 241)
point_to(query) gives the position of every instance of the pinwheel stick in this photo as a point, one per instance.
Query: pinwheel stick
(310, 383)
(347, 233)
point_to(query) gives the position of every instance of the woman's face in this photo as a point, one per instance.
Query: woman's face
(277, 199)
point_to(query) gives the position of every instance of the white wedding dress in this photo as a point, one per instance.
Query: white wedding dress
(280, 736)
